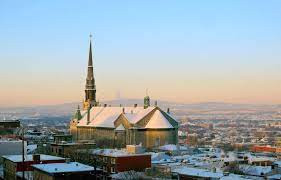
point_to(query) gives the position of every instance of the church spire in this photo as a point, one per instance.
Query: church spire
(90, 88)
(90, 62)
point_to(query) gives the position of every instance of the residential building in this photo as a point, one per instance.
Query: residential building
(114, 161)
(59, 171)
(12, 164)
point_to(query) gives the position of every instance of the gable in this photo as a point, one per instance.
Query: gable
(112, 117)
(120, 128)
(173, 122)
(158, 121)
(122, 120)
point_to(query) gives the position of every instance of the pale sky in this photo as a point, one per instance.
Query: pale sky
(183, 51)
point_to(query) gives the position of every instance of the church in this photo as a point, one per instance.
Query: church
(119, 126)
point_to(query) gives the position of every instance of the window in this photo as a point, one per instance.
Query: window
(104, 159)
(60, 151)
(113, 160)
(112, 169)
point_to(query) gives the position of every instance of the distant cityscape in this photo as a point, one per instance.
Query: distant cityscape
(140, 139)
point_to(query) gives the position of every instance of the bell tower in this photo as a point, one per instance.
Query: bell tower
(90, 88)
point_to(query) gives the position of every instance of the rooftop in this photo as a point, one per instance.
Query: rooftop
(115, 152)
(43, 157)
(106, 116)
(198, 172)
(63, 167)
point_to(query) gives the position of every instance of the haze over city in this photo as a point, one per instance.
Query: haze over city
(190, 51)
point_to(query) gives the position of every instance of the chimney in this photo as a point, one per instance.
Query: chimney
(168, 110)
(136, 105)
(123, 110)
(155, 103)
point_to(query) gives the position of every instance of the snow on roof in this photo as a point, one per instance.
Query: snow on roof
(198, 172)
(105, 116)
(135, 117)
(255, 170)
(275, 176)
(278, 163)
(172, 147)
(43, 157)
(158, 156)
(158, 120)
(114, 152)
(234, 177)
(253, 158)
(110, 152)
(120, 128)
(31, 148)
(63, 167)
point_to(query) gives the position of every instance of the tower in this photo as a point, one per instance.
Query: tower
(90, 88)
(146, 102)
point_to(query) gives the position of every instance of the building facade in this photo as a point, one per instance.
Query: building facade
(120, 126)
(59, 171)
(13, 164)
(113, 161)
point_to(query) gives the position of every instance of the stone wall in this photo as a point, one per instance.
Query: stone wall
(149, 138)
(160, 137)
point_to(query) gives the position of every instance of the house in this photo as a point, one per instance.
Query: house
(59, 171)
(114, 161)
(12, 164)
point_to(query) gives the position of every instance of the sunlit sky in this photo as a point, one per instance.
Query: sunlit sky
(182, 51)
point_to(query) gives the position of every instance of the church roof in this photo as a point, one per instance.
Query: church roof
(120, 128)
(106, 116)
(158, 120)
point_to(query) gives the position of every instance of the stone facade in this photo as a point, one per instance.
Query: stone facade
(129, 134)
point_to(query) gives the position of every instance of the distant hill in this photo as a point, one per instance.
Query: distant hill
(68, 109)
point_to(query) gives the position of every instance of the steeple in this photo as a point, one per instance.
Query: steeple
(90, 88)
(77, 114)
